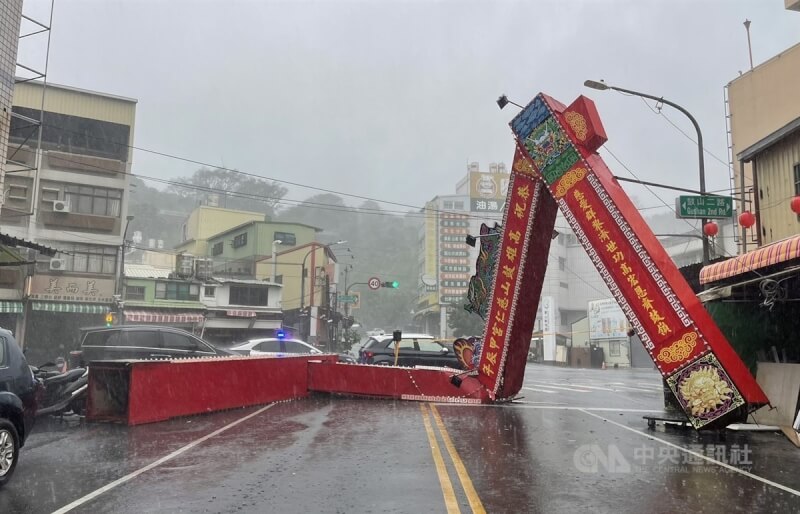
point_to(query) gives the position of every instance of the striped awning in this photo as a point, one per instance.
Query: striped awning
(11, 307)
(76, 308)
(241, 314)
(158, 316)
(775, 253)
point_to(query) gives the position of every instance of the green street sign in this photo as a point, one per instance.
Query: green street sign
(348, 298)
(698, 207)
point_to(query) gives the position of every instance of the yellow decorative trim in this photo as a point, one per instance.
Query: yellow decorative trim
(578, 124)
(569, 179)
(679, 350)
(523, 166)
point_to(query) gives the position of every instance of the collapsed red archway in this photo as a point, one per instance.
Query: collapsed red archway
(556, 167)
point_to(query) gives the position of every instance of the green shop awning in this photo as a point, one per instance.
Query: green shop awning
(11, 307)
(77, 308)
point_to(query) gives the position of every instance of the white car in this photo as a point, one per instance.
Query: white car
(274, 347)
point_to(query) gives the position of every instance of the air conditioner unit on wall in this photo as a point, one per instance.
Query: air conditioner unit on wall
(57, 264)
(60, 206)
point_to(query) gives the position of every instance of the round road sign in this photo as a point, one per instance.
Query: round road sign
(374, 283)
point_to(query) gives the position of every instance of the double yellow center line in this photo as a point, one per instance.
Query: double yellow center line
(450, 500)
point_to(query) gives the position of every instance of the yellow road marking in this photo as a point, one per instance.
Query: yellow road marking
(444, 479)
(466, 482)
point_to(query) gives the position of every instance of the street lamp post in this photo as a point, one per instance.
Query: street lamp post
(601, 86)
(275, 258)
(120, 286)
(314, 247)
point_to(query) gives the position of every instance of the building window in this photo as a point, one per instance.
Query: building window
(448, 205)
(90, 259)
(562, 263)
(286, 238)
(248, 295)
(459, 206)
(97, 201)
(564, 285)
(217, 249)
(613, 348)
(134, 293)
(177, 291)
(209, 291)
(240, 240)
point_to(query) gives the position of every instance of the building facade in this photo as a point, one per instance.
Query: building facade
(70, 194)
(764, 110)
(10, 19)
(207, 221)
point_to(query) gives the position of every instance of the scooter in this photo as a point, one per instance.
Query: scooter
(61, 392)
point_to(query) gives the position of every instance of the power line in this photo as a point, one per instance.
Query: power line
(253, 175)
(660, 112)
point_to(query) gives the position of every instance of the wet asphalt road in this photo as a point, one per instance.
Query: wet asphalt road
(575, 443)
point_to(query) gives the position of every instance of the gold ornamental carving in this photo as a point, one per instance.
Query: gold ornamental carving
(680, 350)
(578, 124)
(524, 166)
(569, 179)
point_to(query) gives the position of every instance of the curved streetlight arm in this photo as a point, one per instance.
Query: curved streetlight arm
(688, 115)
(701, 164)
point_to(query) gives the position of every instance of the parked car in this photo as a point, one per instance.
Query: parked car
(281, 348)
(18, 391)
(143, 342)
(415, 350)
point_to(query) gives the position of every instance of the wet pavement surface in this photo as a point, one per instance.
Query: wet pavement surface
(576, 442)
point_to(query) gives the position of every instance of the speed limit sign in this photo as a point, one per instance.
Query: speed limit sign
(374, 283)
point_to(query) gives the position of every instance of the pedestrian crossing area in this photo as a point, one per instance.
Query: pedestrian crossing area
(594, 386)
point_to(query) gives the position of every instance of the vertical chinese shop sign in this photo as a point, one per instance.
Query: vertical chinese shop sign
(705, 374)
(519, 275)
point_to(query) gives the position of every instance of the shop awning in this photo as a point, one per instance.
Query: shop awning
(157, 316)
(241, 314)
(77, 308)
(16, 241)
(10, 307)
(775, 253)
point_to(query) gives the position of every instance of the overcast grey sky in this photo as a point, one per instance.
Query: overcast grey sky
(391, 99)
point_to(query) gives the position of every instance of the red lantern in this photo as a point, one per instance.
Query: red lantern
(796, 204)
(710, 229)
(746, 219)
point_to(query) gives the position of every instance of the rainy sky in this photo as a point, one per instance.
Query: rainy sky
(391, 99)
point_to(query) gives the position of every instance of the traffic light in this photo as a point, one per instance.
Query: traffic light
(110, 319)
(393, 284)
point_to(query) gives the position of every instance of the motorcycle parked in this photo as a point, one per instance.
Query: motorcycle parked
(61, 392)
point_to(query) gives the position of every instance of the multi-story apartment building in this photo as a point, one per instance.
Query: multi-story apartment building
(447, 262)
(764, 110)
(207, 221)
(69, 194)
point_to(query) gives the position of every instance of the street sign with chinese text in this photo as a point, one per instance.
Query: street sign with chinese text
(704, 207)
(348, 298)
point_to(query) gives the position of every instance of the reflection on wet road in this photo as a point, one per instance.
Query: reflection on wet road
(576, 443)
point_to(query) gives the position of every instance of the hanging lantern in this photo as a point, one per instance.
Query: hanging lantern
(747, 219)
(710, 229)
(796, 204)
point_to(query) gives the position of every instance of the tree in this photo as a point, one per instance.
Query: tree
(463, 322)
(236, 190)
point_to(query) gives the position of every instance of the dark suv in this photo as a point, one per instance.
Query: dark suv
(142, 342)
(415, 350)
(18, 391)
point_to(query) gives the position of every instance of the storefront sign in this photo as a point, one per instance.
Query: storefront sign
(487, 191)
(606, 320)
(64, 288)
